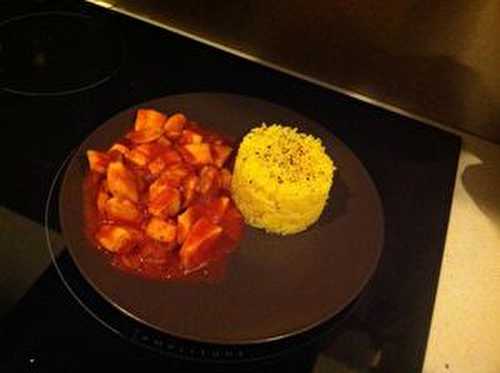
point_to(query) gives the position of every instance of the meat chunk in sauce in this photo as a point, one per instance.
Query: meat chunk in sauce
(174, 175)
(199, 243)
(161, 230)
(221, 154)
(189, 188)
(122, 209)
(149, 120)
(138, 157)
(122, 182)
(190, 137)
(165, 159)
(118, 149)
(218, 208)
(118, 239)
(148, 126)
(144, 136)
(209, 179)
(184, 223)
(198, 154)
(166, 203)
(98, 161)
(174, 125)
(162, 197)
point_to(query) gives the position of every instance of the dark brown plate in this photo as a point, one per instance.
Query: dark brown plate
(275, 286)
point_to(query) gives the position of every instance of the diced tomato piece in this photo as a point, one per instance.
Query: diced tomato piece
(199, 153)
(196, 249)
(166, 203)
(161, 230)
(220, 154)
(118, 208)
(98, 161)
(117, 238)
(149, 119)
(174, 125)
(122, 182)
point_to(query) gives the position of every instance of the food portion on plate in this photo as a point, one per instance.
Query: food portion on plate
(158, 200)
(281, 179)
(163, 200)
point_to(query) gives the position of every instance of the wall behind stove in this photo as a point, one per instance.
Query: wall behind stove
(432, 58)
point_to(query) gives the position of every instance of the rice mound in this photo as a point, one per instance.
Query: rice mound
(281, 179)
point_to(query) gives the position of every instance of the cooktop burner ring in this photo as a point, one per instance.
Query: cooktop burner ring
(57, 53)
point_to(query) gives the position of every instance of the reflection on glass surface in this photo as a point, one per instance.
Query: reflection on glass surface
(437, 60)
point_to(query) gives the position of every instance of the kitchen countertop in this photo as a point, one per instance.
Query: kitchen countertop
(466, 319)
(464, 333)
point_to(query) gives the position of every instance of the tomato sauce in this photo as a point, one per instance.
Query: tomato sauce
(176, 223)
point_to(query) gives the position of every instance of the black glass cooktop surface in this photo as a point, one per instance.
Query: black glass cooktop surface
(56, 52)
(412, 165)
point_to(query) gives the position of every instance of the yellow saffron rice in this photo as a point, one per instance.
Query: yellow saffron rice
(281, 179)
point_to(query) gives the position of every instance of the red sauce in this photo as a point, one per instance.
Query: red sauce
(157, 257)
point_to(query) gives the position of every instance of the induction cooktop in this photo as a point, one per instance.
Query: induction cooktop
(62, 325)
